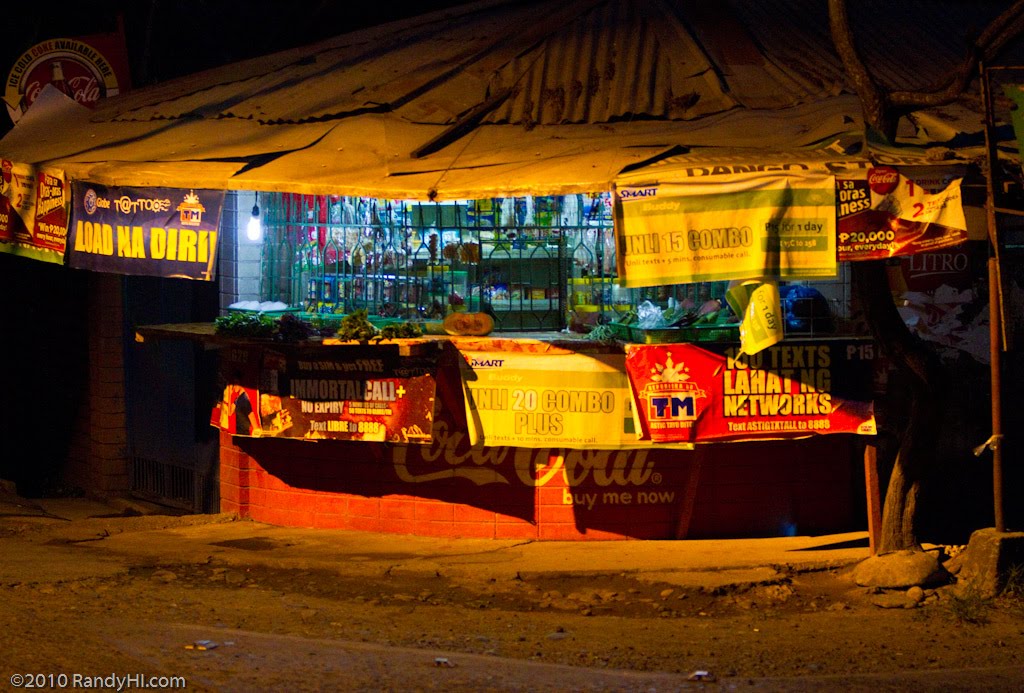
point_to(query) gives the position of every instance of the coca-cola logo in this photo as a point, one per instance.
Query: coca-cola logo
(451, 455)
(73, 78)
(85, 89)
(77, 69)
(883, 179)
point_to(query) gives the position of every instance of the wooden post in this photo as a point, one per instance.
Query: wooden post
(995, 307)
(690, 495)
(874, 497)
(995, 347)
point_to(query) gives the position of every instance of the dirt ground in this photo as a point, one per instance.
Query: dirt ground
(279, 628)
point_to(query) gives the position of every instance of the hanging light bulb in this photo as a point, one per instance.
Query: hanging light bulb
(254, 231)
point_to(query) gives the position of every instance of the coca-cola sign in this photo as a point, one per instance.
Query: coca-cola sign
(78, 68)
(450, 455)
(69, 76)
(883, 179)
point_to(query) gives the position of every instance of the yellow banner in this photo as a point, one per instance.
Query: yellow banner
(771, 224)
(548, 400)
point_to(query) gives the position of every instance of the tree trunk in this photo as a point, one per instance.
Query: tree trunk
(916, 448)
(879, 113)
(898, 530)
(918, 371)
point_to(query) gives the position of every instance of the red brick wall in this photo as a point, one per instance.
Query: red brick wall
(741, 489)
(98, 459)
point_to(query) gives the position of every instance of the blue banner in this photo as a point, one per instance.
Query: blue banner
(160, 232)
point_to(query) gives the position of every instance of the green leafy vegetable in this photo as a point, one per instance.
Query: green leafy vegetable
(244, 324)
(399, 331)
(356, 326)
(601, 333)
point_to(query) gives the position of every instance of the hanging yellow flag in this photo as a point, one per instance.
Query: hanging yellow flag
(757, 303)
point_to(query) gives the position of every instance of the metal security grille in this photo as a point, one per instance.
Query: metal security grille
(515, 258)
(172, 485)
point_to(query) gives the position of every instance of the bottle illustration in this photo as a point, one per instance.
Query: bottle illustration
(57, 78)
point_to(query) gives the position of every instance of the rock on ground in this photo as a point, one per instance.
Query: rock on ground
(900, 570)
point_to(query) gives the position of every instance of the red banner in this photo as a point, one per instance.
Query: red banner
(34, 204)
(684, 393)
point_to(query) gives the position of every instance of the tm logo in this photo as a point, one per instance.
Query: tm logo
(672, 407)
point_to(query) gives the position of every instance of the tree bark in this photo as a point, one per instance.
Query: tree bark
(878, 110)
(883, 107)
(898, 531)
(920, 374)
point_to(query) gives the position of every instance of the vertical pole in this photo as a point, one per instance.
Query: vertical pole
(690, 494)
(994, 305)
(874, 497)
(995, 354)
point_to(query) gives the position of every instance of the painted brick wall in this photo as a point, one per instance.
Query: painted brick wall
(732, 490)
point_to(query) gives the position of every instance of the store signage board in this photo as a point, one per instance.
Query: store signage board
(548, 400)
(884, 214)
(695, 228)
(685, 393)
(161, 232)
(353, 392)
(34, 205)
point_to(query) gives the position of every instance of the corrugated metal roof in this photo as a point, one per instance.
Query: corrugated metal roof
(588, 61)
(617, 61)
(548, 63)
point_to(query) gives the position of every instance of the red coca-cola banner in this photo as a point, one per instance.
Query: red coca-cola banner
(883, 214)
(685, 393)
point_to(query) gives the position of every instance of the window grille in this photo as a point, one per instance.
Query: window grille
(511, 257)
(535, 263)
